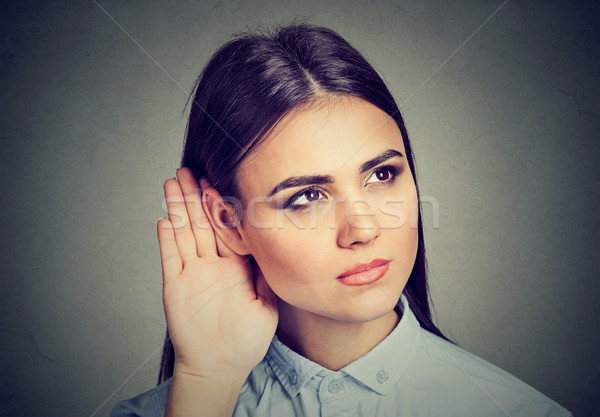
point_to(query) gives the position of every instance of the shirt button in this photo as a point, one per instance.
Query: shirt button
(293, 378)
(382, 376)
(334, 387)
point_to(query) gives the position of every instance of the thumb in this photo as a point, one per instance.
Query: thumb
(263, 291)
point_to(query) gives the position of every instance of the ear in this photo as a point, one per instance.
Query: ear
(223, 218)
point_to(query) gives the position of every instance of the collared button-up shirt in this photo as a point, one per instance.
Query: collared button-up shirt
(412, 373)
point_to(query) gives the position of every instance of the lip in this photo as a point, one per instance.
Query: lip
(362, 274)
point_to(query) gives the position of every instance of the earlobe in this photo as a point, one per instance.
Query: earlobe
(223, 218)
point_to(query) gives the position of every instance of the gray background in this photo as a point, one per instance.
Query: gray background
(505, 132)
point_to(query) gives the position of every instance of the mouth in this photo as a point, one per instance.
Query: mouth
(362, 274)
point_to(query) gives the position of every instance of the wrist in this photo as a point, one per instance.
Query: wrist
(205, 377)
(203, 394)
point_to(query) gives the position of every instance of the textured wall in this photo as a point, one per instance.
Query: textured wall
(503, 113)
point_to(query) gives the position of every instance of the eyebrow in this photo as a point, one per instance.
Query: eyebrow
(327, 179)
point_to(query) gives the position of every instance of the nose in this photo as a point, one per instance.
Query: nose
(359, 223)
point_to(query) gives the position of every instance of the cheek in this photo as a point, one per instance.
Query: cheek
(413, 229)
(401, 222)
(412, 226)
(413, 219)
(401, 210)
(286, 260)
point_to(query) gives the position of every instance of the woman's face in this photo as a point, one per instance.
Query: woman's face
(329, 189)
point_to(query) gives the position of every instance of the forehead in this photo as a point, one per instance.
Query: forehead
(330, 139)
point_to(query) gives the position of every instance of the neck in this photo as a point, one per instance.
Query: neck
(331, 343)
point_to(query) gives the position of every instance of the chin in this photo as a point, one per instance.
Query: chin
(366, 311)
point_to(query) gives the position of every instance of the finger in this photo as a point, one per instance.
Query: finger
(202, 230)
(180, 220)
(169, 253)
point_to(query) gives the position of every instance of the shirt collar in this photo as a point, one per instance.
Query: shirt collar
(292, 369)
(379, 369)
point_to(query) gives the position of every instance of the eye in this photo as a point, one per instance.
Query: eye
(383, 175)
(304, 198)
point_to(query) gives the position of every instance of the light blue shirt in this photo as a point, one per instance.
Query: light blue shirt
(412, 373)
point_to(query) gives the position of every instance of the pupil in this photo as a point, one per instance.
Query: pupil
(311, 195)
(382, 175)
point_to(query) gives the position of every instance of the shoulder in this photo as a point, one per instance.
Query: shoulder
(469, 384)
(151, 403)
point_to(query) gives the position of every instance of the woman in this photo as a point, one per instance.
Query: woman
(295, 280)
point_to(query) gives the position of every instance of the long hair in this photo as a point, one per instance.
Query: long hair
(250, 84)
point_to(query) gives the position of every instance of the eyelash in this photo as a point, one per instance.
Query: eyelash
(289, 204)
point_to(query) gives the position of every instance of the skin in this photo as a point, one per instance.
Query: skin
(303, 252)
(210, 288)
(220, 312)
